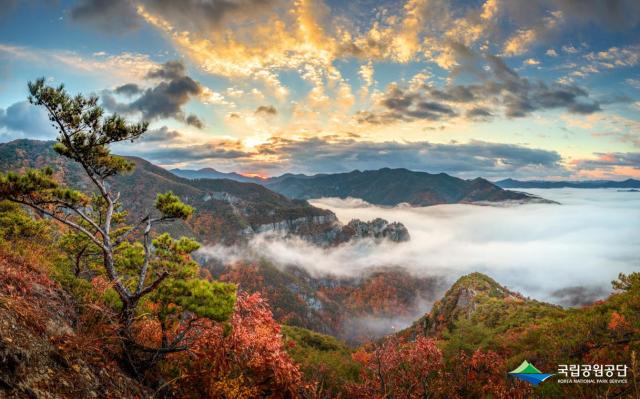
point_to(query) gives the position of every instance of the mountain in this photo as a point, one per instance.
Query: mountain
(395, 186)
(226, 211)
(511, 183)
(210, 173)
(477, 299)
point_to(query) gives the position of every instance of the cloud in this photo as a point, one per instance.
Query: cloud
(318, 155)
(175, 154)
(193, 120)
(108, 15)
(164, 100)
(406, 105)
(333, 154)
(266, 110)
(539, 21)
(616, 57)
(128, 89)
(112, 67)
(610, 160)
(498, 88)
(551, 53)
(22, 119)
(478, 113)
(578, 295)
(544, 251)
(193, 15)
(163, 134)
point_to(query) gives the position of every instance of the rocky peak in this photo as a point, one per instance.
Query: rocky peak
(378, 229)
(462, 301)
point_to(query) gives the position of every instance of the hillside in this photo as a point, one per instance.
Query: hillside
(54, 333)
(210, 173)
(227, 211)
(511, 183)
(354, 309)
(43, 350)
(476, 299)
(395, 186)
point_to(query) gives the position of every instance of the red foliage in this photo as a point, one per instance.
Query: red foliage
(483, 374)
(618, 323)
(248, 360)
(400, 369)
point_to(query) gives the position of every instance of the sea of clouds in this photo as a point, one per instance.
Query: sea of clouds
(565, 254)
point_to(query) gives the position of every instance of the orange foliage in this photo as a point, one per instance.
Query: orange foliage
(483, 375)
(400, 369)
(249, 360)
(618, 323)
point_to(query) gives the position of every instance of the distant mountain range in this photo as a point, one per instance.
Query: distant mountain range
(384, 187)
(226, 211)
(511, 183)
(210, 173)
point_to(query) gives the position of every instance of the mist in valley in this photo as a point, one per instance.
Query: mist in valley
(565, 254)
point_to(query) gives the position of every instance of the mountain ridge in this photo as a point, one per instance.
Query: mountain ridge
(513, 183)
(227, 211)
(393, 186)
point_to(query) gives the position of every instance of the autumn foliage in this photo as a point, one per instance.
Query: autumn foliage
(245, 359)
(398, 369)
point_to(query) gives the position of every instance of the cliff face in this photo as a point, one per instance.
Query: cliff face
(379, 229)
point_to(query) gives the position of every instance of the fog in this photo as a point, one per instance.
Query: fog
(565, 254)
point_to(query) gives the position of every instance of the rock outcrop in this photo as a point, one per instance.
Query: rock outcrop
(326, 230)
(378, 229)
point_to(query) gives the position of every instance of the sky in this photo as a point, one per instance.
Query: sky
(529, 89)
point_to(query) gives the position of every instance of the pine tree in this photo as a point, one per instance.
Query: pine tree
(141, 269)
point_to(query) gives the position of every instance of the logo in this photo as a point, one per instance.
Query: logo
(592, 373)
(528, 372)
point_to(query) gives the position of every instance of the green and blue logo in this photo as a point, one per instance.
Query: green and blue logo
(528, 372)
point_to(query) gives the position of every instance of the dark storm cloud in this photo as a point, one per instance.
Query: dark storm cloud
(163, 134)
(266, 110)
(193, 15)
(199, 152)
(478, 113)
(193, 120)
(22, 119)
(613, 15)
(405, 105)
(164, 100)
(109, 15)
(521, 96)
(204, 15)
(129, 89)
(170, 70)
(454, 94)
(498, 86)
